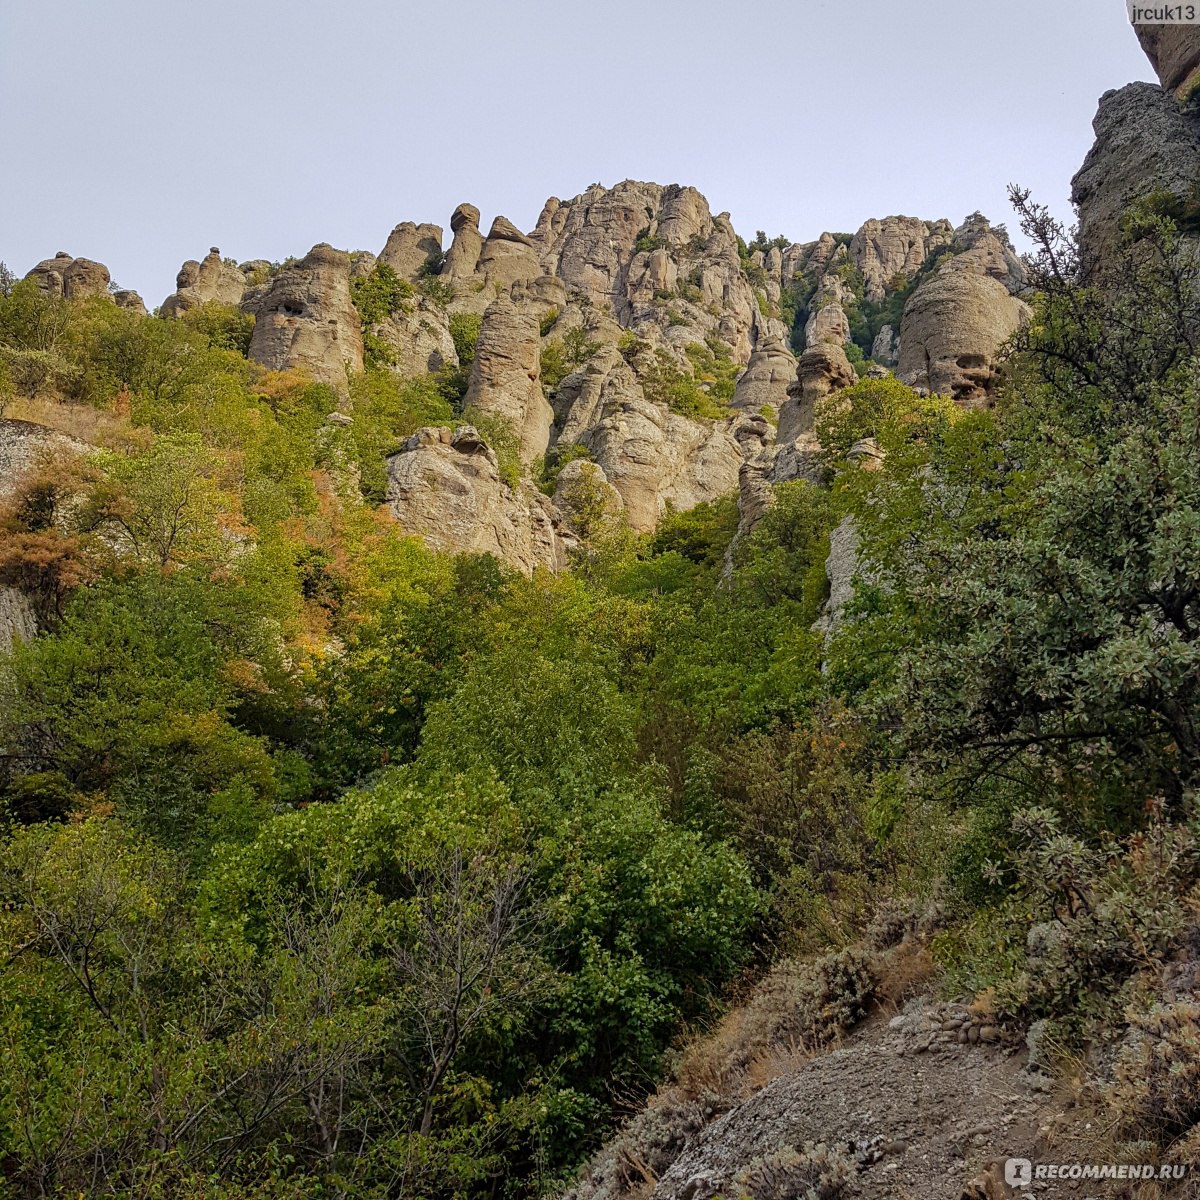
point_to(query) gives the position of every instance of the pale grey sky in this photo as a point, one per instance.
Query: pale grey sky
(140, 132)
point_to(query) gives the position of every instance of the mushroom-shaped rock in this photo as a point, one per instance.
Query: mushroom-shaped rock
(462, 259)
(307, 320)
(508, 256)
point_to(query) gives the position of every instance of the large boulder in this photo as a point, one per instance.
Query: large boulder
(211, 279)
(126, 298)
(410, 248)
(959, 318)
(1174, 53)
(1144, 144)
(505, 375)
(71, 278)
(446, 487)
(584, 498)
(307, 320)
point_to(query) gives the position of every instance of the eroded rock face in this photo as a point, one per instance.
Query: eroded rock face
(507, 256)
(71, 278)
(1174, 53)
(446, 487)
(211, 279)
(956, 322)
(584, 497)
(764, 383)
(655, 259)
(419, 337)
(505, 375)
(827, 321)
(822, 370)
(893, 246)
(130, 300)
(1144, 143)
(410, 247)
(885, 350)
(656, 458)
(462, 259)
(306, 319)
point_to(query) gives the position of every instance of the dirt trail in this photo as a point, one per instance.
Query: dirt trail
(929, 1102)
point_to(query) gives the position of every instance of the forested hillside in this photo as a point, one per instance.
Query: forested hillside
(409, 753)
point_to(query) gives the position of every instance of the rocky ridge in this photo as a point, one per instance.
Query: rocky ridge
(682, 380)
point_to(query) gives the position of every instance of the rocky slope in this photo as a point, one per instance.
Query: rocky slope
(631, 326)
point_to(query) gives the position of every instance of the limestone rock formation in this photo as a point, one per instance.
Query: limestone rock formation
(1144, 143)
(462, 259)
(765, 381)
(130, 300)
(306, 319)
(893, 246)
(446, 487)
(656, 458)
(211, 279)
(652, 456)
(505, 375)
(958, 319)
(655, 259)
(419, 337)
(822, 370)
(410, 248)
(71, 278)
(584, 497)
(885, 350)
(1174, 53)
(827, 321)
(507, 256)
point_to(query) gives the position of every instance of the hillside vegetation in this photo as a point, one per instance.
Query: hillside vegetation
(335, 866)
